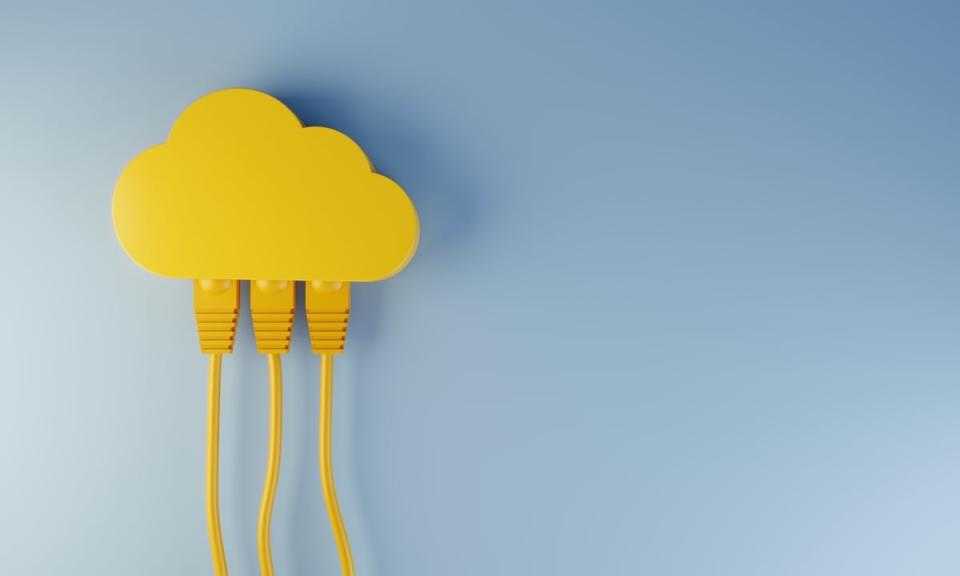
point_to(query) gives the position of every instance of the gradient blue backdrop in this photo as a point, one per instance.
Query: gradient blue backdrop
(687, 300)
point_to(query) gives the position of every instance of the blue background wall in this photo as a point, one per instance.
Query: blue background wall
(687, 299)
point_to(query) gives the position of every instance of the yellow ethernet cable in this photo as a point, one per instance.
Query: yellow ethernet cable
(328, 315)
(215, 303)
(325, 441)
(213, 468)
(272, 306)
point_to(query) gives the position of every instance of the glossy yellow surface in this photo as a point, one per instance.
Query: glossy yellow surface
(326, 464)
(213, 468)
(241, 190)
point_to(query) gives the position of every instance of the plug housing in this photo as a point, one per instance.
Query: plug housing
(328, 315)
(272, 306)
(215, 305)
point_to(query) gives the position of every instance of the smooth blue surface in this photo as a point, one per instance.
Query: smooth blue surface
(687, 302)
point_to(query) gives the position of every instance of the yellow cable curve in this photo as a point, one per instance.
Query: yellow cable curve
(326, 464)
(273, 465)
(213, 467)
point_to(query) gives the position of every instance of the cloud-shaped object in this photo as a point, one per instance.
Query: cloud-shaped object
(241, 190)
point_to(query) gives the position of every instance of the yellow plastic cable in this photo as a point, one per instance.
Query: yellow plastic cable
(213, 467)
(326, 464)
(273, 465)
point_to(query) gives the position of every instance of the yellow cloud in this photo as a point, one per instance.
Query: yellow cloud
(241, 190)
